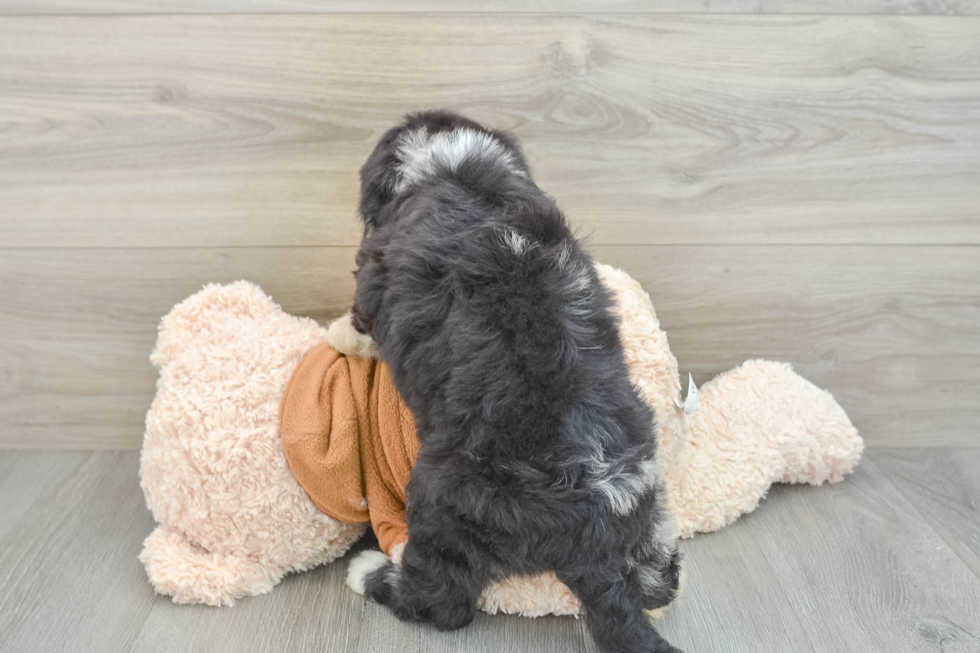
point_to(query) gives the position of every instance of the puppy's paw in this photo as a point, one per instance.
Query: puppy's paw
(658, 613)
(362, 566)
(342, 336)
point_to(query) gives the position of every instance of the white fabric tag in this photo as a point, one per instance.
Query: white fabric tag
(690, 404)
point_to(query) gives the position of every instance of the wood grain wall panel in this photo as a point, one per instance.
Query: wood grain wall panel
(77, 328)
(230, 130)
(891, 331)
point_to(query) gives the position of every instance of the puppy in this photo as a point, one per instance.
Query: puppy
(536, 453)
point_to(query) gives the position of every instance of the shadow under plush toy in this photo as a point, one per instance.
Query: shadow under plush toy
(267, 451)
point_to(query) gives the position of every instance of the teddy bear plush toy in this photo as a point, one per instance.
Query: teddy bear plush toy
(268, 451)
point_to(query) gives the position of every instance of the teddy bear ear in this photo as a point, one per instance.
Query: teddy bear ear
(208, 311)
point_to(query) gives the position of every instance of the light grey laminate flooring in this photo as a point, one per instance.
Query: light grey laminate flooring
(888, 560)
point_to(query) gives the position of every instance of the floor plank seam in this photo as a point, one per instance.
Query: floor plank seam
(530, 14)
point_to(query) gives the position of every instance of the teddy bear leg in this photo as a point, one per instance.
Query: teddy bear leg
(757, 424)
(529, 596)
(190, 574)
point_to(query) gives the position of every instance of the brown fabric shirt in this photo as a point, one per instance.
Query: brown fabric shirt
(349, 440)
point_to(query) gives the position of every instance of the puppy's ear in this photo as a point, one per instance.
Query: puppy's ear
(379, 176)
(377, 188)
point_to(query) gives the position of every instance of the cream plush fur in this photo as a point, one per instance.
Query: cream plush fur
(233, 520)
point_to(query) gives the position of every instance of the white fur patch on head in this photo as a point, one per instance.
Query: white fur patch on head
(421, 154)
(342, 336)
(360, 567)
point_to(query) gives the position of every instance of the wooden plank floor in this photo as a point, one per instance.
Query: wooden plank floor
(885, 561)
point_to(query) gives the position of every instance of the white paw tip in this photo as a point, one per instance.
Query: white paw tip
(362, 565)
(342, 336)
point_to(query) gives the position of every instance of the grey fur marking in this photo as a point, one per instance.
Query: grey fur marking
(421, 154)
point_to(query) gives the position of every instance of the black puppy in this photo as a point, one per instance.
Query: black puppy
(536, 453)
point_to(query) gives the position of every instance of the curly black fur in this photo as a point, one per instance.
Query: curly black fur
(536, 453)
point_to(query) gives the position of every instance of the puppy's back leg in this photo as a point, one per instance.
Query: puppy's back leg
(656, 565)
(614, 611)
(661, 580)
(432, 583)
